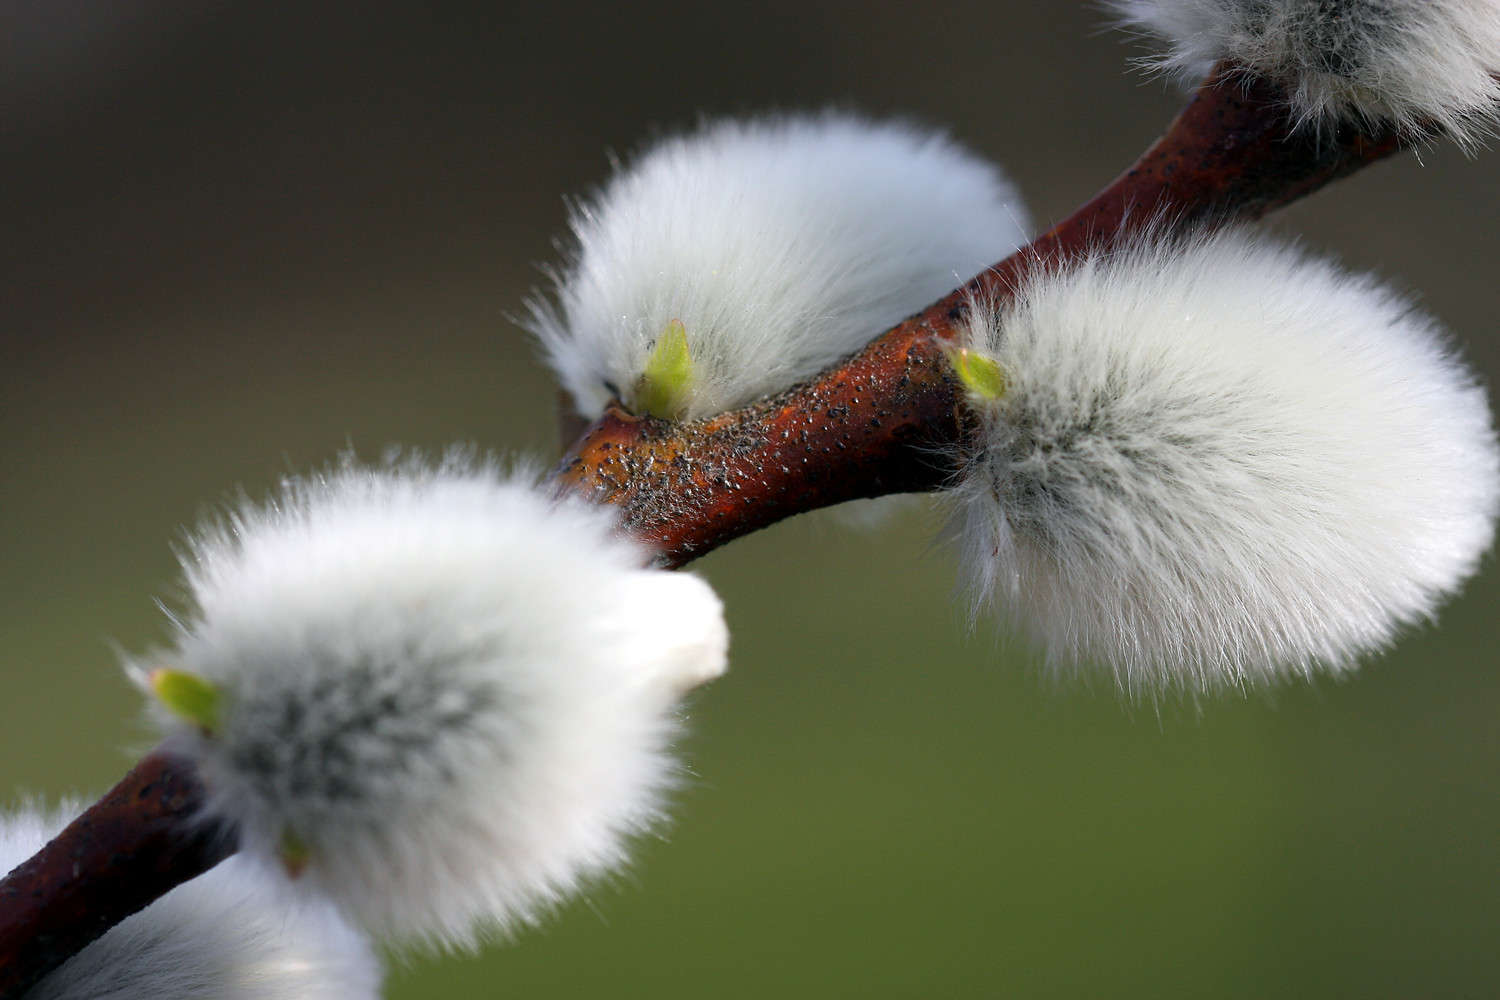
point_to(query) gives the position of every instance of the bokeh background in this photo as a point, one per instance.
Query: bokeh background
(240, 237)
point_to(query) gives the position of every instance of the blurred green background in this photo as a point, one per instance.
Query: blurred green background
(240, 237)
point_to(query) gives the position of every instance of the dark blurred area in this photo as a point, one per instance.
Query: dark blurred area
(241, 237)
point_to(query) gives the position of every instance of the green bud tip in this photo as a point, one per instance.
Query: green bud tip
(666, 386)
(293, 852)
(186, 695)
(982, 376)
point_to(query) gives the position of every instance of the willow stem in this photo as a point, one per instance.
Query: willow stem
(127, 849)
(883, 421)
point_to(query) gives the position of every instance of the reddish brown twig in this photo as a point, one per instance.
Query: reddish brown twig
(882, 421)
(128, 848)
(879, 423)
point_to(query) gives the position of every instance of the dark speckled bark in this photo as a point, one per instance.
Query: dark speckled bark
(883, 421)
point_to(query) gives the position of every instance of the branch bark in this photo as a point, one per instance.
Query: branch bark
(887, 419)
(127, 849)
(882, 422)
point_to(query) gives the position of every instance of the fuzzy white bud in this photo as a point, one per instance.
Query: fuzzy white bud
(230, 934)
(745, 257)
(1216, 461)
(442, 696)
(1419, 64)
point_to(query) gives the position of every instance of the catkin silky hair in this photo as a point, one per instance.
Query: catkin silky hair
(432, 692)
(749, 255)
(1421, 65)
(1216, 461)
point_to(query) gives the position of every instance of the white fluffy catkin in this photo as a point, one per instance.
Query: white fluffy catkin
(782, 244)
(1420, 64)
(229, 934)
(1217, 461)
(452, 695)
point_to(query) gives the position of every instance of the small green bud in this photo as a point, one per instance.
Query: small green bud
(982, 376)
(186, 695)
(666, 385)
(293, 852)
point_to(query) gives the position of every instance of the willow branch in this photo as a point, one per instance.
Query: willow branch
(129, 848)
(884, 420)
(879, 423)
